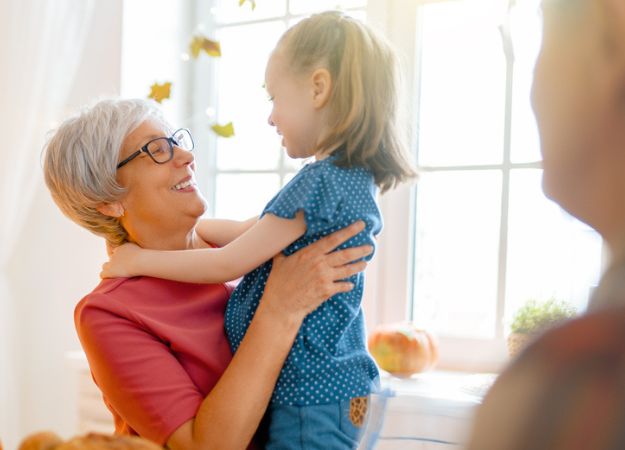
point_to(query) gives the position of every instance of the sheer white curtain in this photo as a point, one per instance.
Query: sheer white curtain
(41, 42)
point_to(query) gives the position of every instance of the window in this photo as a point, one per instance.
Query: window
(484, 236)
(476, 236)
(241, 174)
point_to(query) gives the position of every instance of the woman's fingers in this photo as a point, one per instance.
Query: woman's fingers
(345, 256)
(299, 283)
(342, 286)
(348, 270)
(331, 241)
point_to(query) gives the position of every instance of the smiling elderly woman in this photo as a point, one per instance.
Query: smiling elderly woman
(157, 348)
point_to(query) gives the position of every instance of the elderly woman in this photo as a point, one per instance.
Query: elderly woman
(567, 391)
(157, 348)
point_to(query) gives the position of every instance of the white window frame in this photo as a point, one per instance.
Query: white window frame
(388, 291)
(389, 296)
(208, 179)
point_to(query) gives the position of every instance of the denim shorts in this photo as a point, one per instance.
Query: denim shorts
(335, 426)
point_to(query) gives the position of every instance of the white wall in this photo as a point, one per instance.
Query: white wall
(56, 262)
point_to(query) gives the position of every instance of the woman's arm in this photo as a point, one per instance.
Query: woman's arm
(221, 232)
(263, 240)
(297, 285)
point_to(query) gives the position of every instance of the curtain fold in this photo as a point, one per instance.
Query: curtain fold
(41, 43)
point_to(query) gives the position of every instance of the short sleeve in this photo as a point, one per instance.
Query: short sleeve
(137, 374)
(316, 191)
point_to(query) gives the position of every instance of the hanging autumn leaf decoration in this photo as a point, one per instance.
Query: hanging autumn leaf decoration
(225, 131)
(201, 43)
(160, 92)
(252, 2)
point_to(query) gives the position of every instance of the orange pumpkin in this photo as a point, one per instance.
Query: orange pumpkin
(402, 349)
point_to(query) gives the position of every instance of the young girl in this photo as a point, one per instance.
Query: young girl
(333, 84)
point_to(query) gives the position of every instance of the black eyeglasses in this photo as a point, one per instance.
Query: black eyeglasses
(161, 150)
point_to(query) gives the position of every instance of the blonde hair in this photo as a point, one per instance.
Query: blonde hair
(364, 104)
(80, 162)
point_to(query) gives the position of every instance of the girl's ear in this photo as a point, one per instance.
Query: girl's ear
(322, 87)
(115, 209)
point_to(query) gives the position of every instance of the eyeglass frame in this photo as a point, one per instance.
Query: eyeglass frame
(170, 140)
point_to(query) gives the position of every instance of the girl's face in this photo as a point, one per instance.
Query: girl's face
(293, 114)
(162, 199)
(573, 101)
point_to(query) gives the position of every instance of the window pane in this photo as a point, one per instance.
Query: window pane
(549, 252)
(457, 242)
(229, 11)
(462, 88)
(242, 196)
(308, 6)
(149, 58)
(242, 98)
(526, 35)
(288, 177)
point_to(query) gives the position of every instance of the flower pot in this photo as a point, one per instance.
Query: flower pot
(517, 342)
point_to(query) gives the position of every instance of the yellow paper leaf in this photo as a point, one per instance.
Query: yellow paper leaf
(252, 2)
(202, 43)
(160, 92)
(195, 46)
(225, 131)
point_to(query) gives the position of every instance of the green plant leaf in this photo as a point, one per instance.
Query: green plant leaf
(534, 316)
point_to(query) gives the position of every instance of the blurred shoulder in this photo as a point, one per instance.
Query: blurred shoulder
(570, 375)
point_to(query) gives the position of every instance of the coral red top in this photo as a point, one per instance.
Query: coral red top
(155, 349)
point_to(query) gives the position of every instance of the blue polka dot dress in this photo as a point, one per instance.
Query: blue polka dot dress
(329, 361)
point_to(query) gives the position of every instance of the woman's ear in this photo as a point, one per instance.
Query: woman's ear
(115, 209)
(322, 87)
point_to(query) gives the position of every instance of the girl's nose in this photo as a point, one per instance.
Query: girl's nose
(270, 121)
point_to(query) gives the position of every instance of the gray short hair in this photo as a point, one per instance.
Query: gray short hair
(80, 161)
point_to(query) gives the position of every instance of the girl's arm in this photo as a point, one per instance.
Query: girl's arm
(297, 285)
(264, 239)
(221, 232)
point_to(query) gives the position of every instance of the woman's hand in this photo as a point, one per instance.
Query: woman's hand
(299, 283)
(120, 264)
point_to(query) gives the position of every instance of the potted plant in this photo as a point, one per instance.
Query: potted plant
(534, 317)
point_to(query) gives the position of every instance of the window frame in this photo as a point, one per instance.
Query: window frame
(388, 293)
(209, 95)
(390, 298)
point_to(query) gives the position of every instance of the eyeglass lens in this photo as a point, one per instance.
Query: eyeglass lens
(182, 138)
(160, 149)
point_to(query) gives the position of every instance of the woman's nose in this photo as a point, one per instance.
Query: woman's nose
(183, 157)
(270, 121)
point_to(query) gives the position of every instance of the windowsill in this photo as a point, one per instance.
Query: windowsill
(435, 408)
(431, 410)
(441, 384)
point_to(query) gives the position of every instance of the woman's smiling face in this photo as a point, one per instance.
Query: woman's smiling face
(160, 197)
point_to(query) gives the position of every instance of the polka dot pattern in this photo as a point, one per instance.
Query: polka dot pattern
(329, 361)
